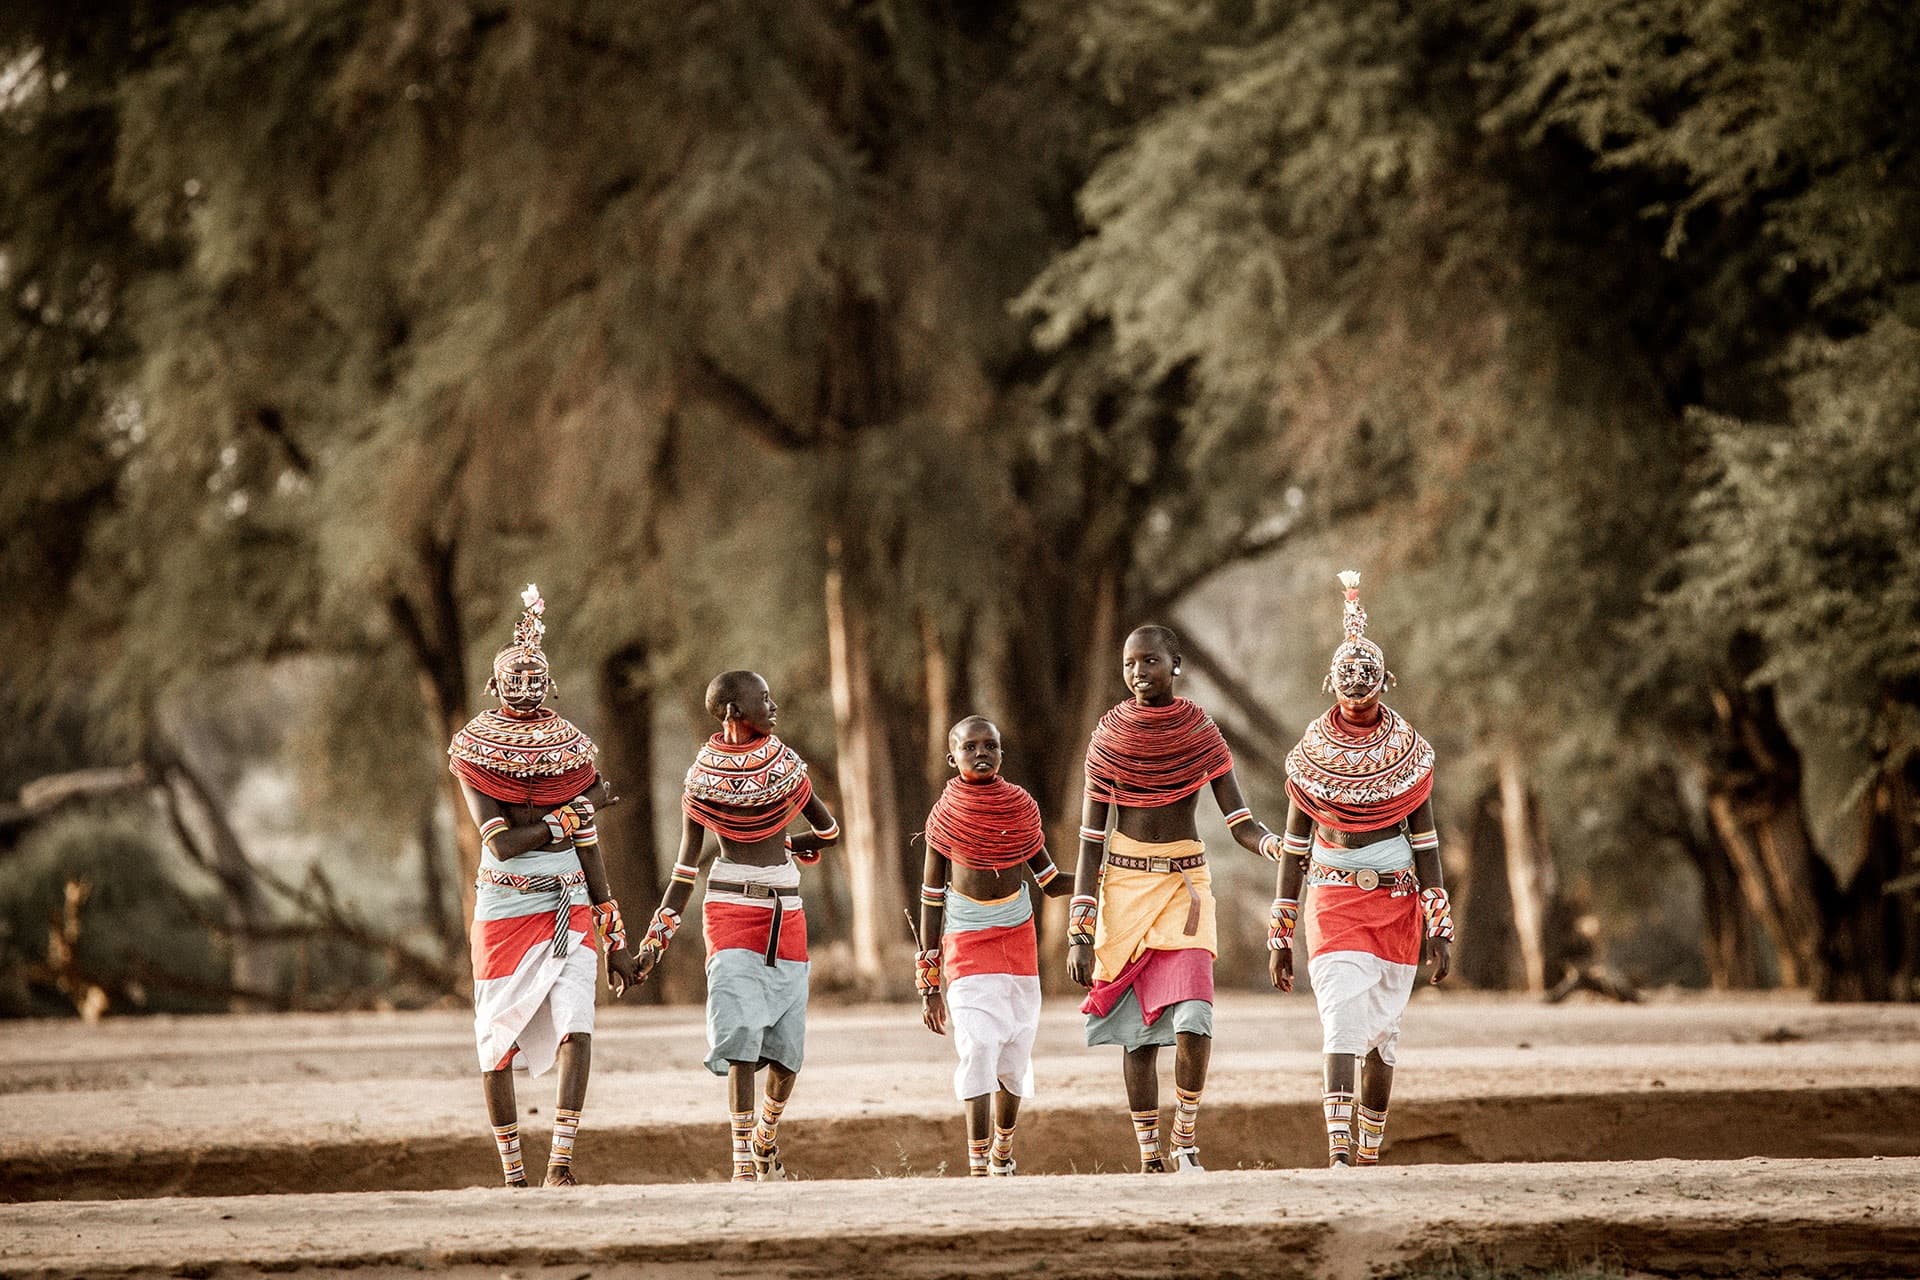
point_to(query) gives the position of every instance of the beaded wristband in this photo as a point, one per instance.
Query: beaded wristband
(1281, 922)
(926, 971)
(1083, 912)
(608, 924)
(666, 922)
(1438, 910)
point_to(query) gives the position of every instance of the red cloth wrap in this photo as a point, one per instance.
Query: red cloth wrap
(498, 946)
(1342, 917)
(1144, 757)
(1001, 949)
(734, 926)
(532, 791)
(989, 826)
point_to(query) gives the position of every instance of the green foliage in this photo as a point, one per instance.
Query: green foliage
(1805, 535)
(141, 937)
(329, 325)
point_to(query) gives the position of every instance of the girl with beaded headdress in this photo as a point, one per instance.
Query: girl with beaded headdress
(530, 783)
(1360, 836)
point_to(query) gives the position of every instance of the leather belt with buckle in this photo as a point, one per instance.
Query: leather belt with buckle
(1157, 865)
(1365, 878)
(748, 889)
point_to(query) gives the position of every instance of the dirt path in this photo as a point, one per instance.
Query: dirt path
(236, 1106)
(1669, 1218)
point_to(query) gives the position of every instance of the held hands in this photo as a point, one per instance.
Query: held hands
(623, 971)
(1440, 951)
(933, 1013)
(643, 964)
(1080, 963)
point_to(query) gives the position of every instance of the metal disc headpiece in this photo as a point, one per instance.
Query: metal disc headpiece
(510, 679)
(1359, 667)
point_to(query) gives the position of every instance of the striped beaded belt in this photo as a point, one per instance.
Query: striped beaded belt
(746, 889)
(562, 884)
(1169, 866)
(1399, 883)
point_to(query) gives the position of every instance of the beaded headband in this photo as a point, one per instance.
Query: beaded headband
(1359, 667)
(526, 643)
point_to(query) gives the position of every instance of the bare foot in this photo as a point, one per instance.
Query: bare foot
(560, 1175)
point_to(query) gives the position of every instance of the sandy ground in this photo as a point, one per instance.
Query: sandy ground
(389, 1102)
(1854, 1219)
(1521, 1134)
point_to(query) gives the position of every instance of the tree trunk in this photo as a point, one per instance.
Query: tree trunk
(1731, 946)
(871, 821)
(441, 922)
(1530, 873)
(941, 714)
(1093, 662)
(1868, 951)
(629, 832)
(1487, 952)
(436, 640)
(1757, 814)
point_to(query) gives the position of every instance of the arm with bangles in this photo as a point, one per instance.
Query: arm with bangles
(927, 976)
(673, 903)
(1284, 919)
(1084, 909)
(1047, 876)
(824, 834)
(1436, 911)
(1247, 831)
(608, 924)
(506, 840)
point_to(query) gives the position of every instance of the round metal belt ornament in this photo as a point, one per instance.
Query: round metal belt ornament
(1367, 878)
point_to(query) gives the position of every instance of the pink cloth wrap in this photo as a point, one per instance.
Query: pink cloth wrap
(1158, 979)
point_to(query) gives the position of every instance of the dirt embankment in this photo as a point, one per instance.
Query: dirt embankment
(224, 1106)
(1856, 1219)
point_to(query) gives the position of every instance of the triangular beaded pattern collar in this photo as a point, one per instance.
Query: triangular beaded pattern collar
(1382, 764)
(747, 775)
(540, 745)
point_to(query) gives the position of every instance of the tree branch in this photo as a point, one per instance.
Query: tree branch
(1252, 548)
(1237, 691)
(745, 405)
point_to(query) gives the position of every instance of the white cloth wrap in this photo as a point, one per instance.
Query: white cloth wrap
(993, 1019)
(1361, 997)
(545, 999)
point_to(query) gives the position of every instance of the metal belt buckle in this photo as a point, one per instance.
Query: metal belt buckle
(759, 891)
(1161, 866)
(1366, 878)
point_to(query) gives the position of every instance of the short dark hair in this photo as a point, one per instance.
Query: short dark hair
(1158, 634)
(727, 687)
(964, 721)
